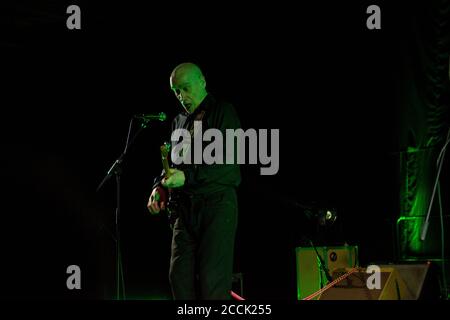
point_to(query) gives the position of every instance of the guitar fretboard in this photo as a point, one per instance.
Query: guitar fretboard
(164, 159)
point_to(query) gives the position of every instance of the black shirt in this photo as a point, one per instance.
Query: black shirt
(208, 178)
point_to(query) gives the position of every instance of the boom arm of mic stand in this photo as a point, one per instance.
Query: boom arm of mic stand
(115, 168)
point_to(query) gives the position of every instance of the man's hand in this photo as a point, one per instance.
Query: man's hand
(155, 204)
(175, 179)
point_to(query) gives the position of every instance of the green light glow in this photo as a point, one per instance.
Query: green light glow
(418, 210)
(411, 227)
(417, 176)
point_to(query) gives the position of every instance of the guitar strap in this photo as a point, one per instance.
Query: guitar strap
(198, 117)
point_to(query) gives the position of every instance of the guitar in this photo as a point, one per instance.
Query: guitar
(168, 195)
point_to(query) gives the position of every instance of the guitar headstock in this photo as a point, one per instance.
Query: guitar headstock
(165, 149)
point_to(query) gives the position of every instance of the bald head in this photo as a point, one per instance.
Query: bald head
(189, 85)
(187, 69)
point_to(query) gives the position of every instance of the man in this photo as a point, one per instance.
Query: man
(205, 226)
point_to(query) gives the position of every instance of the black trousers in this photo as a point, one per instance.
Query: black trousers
(201, 263)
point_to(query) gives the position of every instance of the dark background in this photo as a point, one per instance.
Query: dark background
(312, 70)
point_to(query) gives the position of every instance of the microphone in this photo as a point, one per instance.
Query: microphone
(151, 116)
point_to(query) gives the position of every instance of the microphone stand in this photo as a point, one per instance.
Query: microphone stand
(116, 170)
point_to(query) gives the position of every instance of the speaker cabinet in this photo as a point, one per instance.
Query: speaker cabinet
(310, 277)
(355, 287)
(421, 279)
(397, 282)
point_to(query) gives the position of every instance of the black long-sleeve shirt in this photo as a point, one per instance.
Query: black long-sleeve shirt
(208, 178)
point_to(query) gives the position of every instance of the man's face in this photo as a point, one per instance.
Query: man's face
(189, 88)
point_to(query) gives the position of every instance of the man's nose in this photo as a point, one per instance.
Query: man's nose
(181, 97)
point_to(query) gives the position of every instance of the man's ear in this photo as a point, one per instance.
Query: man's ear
(203, 82)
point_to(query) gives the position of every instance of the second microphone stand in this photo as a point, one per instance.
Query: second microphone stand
(322, 266)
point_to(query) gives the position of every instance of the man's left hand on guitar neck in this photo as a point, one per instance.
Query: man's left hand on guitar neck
(174, 179)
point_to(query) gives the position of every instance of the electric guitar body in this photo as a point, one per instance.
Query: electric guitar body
(168, 195)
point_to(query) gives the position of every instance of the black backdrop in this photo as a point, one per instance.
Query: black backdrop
(314, 71)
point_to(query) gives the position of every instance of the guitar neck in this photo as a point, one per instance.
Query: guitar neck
(165, 164)
(165, 160)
